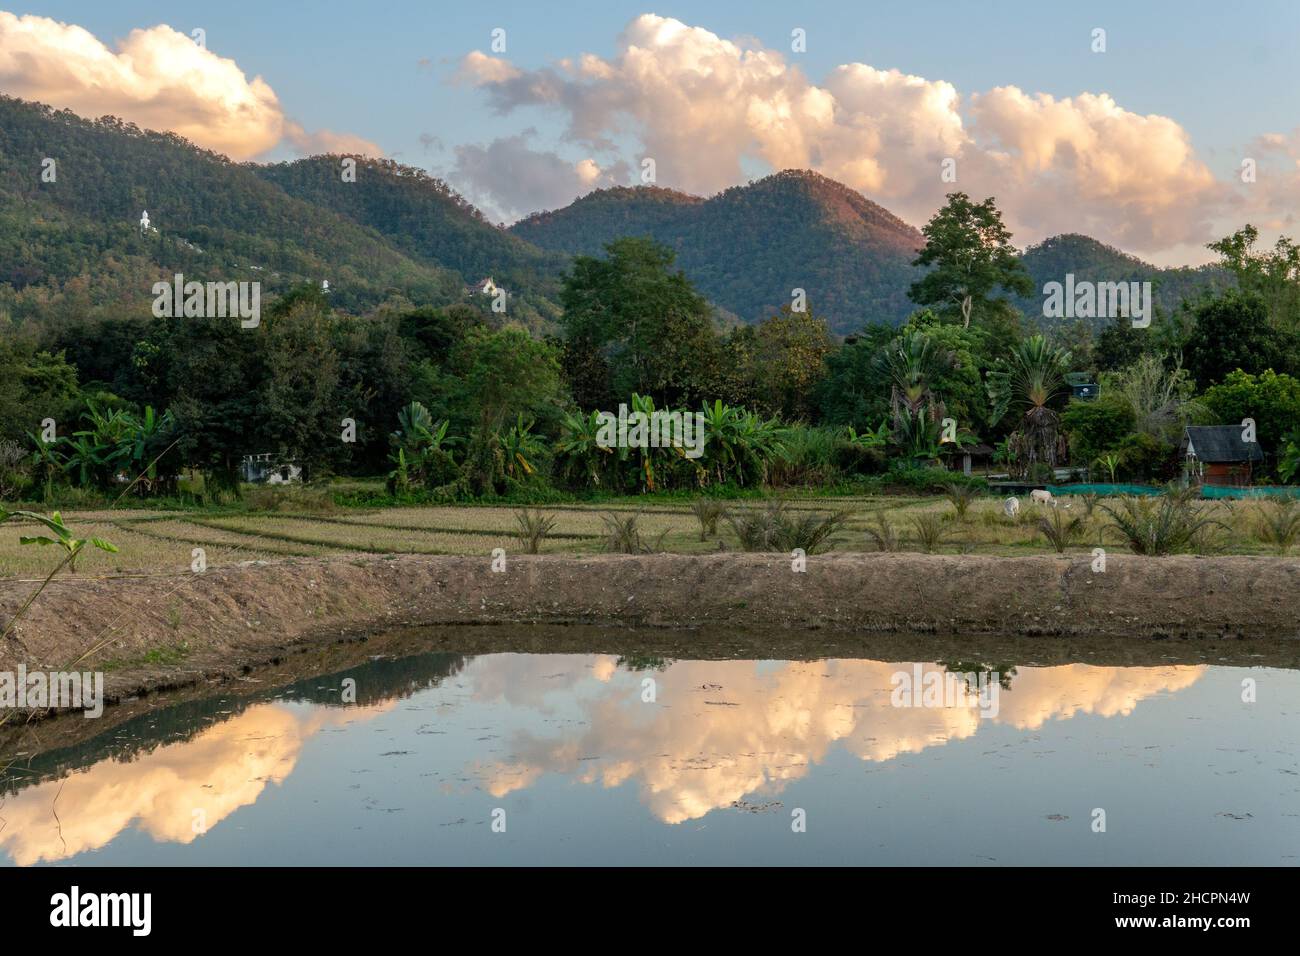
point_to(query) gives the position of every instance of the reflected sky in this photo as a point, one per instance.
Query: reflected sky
(593, 760)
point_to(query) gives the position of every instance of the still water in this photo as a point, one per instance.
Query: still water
(582, 759)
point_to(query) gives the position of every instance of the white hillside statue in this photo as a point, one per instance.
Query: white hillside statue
(144, 221)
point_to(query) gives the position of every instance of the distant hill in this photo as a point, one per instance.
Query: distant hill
(748, 247)
(423, 217)
(73, 245)
(1088, 259)
(79, 235)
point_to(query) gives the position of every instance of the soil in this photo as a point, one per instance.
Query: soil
(150, 633)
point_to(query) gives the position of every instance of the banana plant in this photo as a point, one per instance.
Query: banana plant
(46, 461)
(520, 448)
(579, 449)
(869, 438)
(1111, 463)
(62, 538)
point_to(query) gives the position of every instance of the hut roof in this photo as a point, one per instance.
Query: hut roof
(1219, 443)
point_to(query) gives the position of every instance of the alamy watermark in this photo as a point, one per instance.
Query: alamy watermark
(1098, 300)
(659, 429)
(935, 688)
(41, 689)
(208, 300)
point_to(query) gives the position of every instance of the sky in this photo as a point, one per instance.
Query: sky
(1136, 136)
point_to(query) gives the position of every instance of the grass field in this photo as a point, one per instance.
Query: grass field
(163, 542)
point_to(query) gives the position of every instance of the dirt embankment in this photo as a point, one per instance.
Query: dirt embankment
(152, 632)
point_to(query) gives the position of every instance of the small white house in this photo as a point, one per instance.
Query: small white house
(486, 287)
(266, 469)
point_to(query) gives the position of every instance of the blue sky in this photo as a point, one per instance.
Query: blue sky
(383, 71)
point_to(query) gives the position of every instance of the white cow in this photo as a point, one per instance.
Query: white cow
(1011, 507)
(1041, 497)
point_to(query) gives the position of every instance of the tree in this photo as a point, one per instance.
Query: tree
(1233, 332)
(970, 252)
(911, 364)
(647, 322)
(1160, 397)
(1273, 276)
(1119, 345)
(791, 359)
(1031, 381)
(1097, 427)
(501, 372)
(1271, 399)
(855, 390)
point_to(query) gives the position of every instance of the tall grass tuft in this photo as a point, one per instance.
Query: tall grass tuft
(1279, 524)
(623, 536)
(775, 528)
(1059, 530)
(708, 511)
(961, 497)
(930, 531)
(883, 536)
(534, 526)
(1170, 524)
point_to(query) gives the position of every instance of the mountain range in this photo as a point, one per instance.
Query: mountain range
(72, 192)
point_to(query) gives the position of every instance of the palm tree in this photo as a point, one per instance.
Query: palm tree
(913, 363)
(1030, 381)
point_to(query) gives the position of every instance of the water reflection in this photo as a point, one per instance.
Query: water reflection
(722, 731)
(715, 734)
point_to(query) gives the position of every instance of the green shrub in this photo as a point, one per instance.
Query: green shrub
(1169, 524)
(774, 527)
(708, 511)
(534, 526)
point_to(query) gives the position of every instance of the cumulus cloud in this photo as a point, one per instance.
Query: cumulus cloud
(157, 78)
(706, 108)
(507, 178)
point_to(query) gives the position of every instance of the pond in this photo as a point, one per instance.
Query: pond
(594, 758)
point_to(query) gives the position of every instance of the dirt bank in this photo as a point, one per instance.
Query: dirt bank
(156, 632)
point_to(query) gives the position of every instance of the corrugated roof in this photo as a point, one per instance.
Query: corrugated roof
(1220, 443)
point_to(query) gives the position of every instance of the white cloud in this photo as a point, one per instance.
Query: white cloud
(157, 78)
(705, 108)
(507, 178)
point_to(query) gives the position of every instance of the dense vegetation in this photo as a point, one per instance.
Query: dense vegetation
(747, 248)
(396, 370)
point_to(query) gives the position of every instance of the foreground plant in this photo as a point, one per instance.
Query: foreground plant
(883, 535)
(1169, 524)
(1059, 530)
(961, 497)
(63, 538)
(623, 536)
(1279, 524)
(708, 511)
(533, 528)
(931, 531)
(775, 528)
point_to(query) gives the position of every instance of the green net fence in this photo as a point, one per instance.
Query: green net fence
(1213, 492)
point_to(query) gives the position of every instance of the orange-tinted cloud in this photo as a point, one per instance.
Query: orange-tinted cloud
(157, 78)
(706, 108)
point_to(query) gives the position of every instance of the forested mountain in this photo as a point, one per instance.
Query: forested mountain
(1088, 259)
(748, 247)
(71, 241)
(423, 217)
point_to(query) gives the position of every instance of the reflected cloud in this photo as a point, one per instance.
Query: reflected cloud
(225, 767)
(717, 732)
(721, 731)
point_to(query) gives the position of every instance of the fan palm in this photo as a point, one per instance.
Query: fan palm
(1030, 382)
